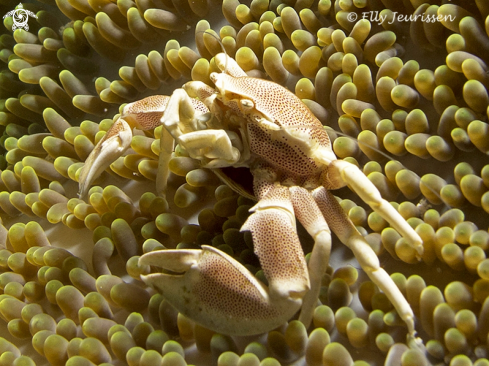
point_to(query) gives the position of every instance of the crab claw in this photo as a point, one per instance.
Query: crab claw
(216, 291)
(117, 140)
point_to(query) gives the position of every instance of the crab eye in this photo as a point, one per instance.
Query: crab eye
(213, 76)
(217, 80)
(246, 104)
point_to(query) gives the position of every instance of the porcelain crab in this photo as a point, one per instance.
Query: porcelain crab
(258, 124)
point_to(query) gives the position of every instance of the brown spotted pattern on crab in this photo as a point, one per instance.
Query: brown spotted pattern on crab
(261, 125)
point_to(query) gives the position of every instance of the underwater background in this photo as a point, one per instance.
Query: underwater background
(402, 88)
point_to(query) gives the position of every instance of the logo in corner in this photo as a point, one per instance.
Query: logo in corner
(20, 16)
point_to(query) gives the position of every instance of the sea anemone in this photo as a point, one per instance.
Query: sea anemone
(402, 89)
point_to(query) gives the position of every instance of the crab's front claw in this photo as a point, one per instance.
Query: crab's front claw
(117, 140)
(216, 291)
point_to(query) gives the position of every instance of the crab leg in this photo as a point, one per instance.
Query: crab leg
(146, 114)
(276, 243)
(184, 114)
(368, 260)
(309, 215)
(186, 119)
(214, 147)
(351, 175)
(167, 143)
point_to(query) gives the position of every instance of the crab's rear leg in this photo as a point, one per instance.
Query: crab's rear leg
(341, 172)
(309, 215)
(366, 257)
